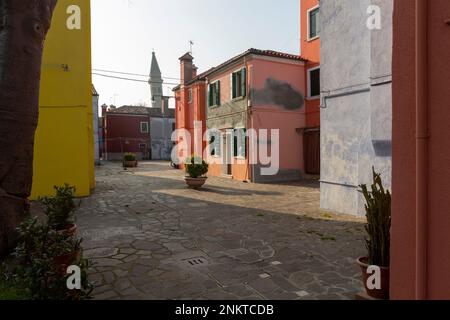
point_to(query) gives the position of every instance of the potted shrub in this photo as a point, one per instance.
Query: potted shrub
(60, 210)
(378, 214)
(42, 257)
(196, 169)
(129, 160)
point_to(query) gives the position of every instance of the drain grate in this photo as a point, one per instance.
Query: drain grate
(196, 262)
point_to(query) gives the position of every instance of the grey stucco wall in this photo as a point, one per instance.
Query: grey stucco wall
(230, 114)
(161, 135)
(96, 130)
(356, 100)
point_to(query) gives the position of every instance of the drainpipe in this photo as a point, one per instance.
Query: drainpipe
(422, 139)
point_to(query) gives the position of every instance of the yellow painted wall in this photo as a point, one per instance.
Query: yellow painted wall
(64, 142)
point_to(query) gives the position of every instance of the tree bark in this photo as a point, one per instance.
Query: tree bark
(23, 27)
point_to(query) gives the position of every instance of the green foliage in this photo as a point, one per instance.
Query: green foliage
(196, 167)
(129, 157)
(9, 289)
(41, 259)
(378, 214)
(60, 208)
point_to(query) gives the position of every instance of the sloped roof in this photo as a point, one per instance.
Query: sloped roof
(186, 56)
(139, 110)
(268, 53)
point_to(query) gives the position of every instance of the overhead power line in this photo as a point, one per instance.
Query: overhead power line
(129, 79)
(131, 74)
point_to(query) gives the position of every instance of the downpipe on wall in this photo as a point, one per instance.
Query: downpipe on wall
(422, 138)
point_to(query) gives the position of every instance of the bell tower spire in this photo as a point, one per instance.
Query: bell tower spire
(156, 83)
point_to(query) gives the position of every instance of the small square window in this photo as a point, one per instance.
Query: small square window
(144, 127)
(142, 146)
(314, 83)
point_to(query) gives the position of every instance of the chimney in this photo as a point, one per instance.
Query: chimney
(194, 71)
(186, 67)
(104, 109)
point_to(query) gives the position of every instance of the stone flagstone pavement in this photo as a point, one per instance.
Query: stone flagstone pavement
(150, 237)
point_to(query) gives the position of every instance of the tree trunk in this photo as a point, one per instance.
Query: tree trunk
(23, 27)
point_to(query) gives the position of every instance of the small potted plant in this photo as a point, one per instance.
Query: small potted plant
(129, 160)
(196, 169)
(60, 210)
(378, 214)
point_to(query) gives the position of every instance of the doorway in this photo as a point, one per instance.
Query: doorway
(227, 156)
(312, 151)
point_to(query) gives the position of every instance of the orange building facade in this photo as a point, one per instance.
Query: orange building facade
(190, 107)
(310, 50)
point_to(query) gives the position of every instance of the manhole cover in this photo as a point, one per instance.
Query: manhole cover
(196, 262)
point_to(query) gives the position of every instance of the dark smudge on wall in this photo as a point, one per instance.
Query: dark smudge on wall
(279, 93)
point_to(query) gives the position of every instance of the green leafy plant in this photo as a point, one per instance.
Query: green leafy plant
(129, 157)
(60, 209)
(378, 214)
(41, 259)
(196, 167)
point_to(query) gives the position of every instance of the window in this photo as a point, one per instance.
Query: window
(142, 146)
(239, 84)
(314, 83)
(189, 95)
(144, 127)
(313, 24)
(240, 143)
(214, 144)
(214, 94)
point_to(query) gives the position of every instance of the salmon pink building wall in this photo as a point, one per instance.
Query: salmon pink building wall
(288, 120)
(405, 249)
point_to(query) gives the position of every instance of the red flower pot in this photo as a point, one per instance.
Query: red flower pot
(383, 293)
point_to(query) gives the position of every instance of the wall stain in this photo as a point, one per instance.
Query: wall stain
(279, 93)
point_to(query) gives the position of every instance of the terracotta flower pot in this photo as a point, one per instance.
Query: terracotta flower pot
(64, 261)
(195, 183)
(383, 293)
(70, 230)
(130, 164)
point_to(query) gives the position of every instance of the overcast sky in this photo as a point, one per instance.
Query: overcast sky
(124, 33)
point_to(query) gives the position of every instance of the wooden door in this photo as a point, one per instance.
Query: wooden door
(312, 151)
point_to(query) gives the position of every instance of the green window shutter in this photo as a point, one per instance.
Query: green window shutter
(244, 82)
(233, 86)
(244, 143)
(218, 93)
(235, 143)
(217, 144)
(210, 95)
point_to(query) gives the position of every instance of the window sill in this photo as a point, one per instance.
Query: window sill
(214, 106)
(312, 39)
(313, 98)
(238, 99)
(240, 158)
